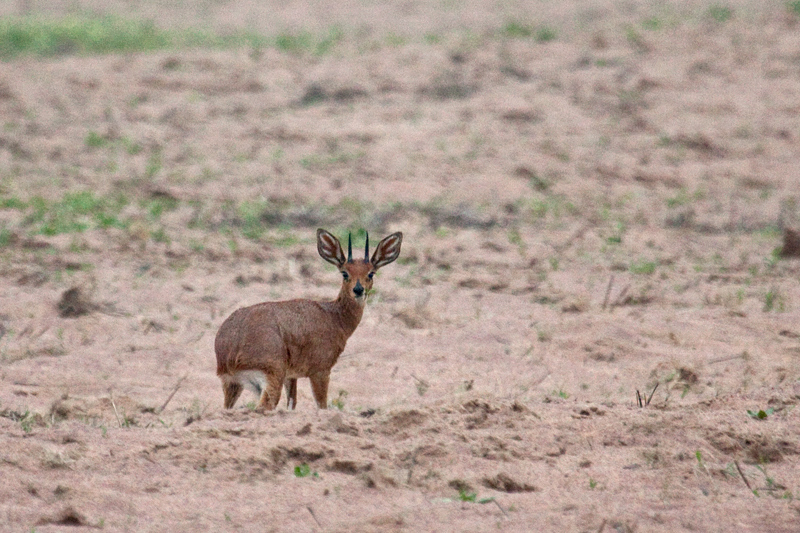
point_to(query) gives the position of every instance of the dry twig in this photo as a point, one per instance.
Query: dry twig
(644, 400)
(501, 508)
(727, 358)
(171, 394)
(608, 292)
(311, 511)
(739, 468)
(114, 405)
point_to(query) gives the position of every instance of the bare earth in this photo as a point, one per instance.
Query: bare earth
(585, 217)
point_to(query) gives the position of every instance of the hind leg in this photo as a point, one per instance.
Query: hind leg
(291, 393)
(271, 394)
(232, 390)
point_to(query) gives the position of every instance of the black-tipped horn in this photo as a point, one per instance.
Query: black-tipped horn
(366, 249)
(349, 248)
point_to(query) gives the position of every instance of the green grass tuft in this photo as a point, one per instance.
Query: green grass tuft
(87, 35)
(720, 13)
(545, 34)
(643, 267)
(519, 30)
(75, 212)
(78, 35)
(516, 30)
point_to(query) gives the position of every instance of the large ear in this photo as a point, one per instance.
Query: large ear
(387, 251)
(329, 248)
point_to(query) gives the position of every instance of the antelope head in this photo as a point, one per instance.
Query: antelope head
(357, 274)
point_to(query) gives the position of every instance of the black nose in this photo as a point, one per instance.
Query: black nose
(358, 289)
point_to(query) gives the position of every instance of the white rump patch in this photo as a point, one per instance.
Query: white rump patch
(255, 380)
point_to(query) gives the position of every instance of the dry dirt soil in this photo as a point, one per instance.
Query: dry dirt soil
(596, 200)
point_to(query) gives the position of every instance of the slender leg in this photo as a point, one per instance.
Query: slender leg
(319, 386)
(291, 393)
(271, 394)
(232, 390)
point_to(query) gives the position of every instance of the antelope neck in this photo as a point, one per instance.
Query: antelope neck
(349, 309)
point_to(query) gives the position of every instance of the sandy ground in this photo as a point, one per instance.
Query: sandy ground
(586, 218)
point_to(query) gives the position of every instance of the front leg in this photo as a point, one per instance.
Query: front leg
(319, 386)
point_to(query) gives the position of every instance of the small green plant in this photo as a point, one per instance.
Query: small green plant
(26, 421)
(794, 7)
(592, 483)
(466, 496)
(338, 402)
(561, 393)
(761, 414)
(303, 470)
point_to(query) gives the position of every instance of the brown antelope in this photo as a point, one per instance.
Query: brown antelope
(268, 344)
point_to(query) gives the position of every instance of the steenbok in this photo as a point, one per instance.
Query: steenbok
(270, 344)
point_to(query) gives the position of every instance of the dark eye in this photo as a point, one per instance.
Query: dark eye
(370, 275)
(345, 275)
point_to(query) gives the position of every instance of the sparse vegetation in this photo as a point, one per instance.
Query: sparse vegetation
(48, 37)
(87, 34)
(578, 224)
